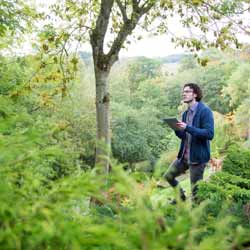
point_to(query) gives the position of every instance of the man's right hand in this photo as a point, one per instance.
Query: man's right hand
(181, 125)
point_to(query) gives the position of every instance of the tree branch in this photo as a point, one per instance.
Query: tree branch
(228, 17)
(98, 34)
(135, 5)
(105, 61)
(123, 11)
(147, 6)
(127, 28)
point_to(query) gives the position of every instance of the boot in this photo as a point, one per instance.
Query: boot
(182, 194)
(182, 197)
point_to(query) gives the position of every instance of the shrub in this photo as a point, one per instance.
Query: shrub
(164, 162)
(223, 186)
(224, 178)
(226, 192)
(215, 194)
(237, 162)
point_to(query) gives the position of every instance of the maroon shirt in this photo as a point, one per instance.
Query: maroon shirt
(189, 121)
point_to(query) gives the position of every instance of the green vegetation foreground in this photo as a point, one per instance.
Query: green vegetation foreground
(47, 186)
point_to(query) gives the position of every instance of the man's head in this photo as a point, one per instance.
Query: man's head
(191, 92)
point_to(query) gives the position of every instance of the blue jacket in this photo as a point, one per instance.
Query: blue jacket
(202, 131)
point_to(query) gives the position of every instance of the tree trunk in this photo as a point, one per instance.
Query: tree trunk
(102, 119)
(248, 131)
(103, 63)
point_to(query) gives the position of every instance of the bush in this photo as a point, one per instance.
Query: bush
(34, 143)
(224, 178)
(215, 194)
(226, 192)
(224, 186)
(237, 161)
(164, 162)
(59, 217)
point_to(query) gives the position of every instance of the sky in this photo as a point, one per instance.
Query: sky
(152, 47)
(157, 46)
(149, 46)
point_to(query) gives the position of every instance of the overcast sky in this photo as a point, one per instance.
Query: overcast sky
(149, 46)
(152, 47)
(157, 46)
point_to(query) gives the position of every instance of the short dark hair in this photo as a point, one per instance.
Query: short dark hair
(197, 90)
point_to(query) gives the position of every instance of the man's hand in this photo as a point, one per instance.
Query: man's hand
(181, 125)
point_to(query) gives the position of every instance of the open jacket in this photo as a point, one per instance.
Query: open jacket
(202, 131)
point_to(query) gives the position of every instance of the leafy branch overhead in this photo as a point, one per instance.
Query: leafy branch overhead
(108, 24)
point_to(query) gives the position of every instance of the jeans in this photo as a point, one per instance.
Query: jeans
(178, 167)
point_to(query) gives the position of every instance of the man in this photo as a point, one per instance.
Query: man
(196, 130)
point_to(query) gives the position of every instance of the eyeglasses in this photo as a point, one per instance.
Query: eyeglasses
(187, 91)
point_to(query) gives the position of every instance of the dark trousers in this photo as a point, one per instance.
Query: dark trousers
(178, 167)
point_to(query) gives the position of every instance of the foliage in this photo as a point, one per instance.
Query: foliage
(225, 134)
(237, 89)
(46, 196)
(242, 121)
(142, 69)
(34, 144)
(187, 63)
(61, 216)
(229, 188)
(16, 19)
(135, 148)
(14, 16)
(237, 161)
(50, 198)
(118, 20)
(224, 194)
(223, 178)
(145, 136)
(212, 79)
(48, 135)
(14, 73)
(164, 161)
(238, 84)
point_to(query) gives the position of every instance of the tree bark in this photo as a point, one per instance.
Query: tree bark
(102, 65)
(102, 69)
(248, 130)
(102, 119)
